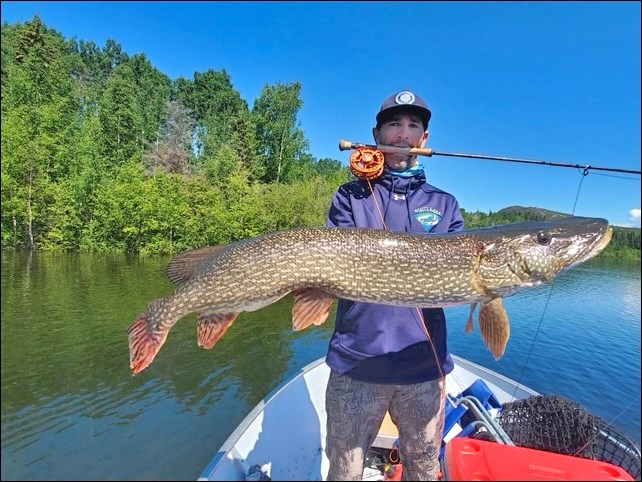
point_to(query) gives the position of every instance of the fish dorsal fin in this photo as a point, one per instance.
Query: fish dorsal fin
(185, 265)
(211, 327)
(311, 307)
(494, 326)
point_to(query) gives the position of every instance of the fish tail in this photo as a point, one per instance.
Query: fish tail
(144, 344)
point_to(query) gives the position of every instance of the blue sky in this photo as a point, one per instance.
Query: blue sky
(553, 81)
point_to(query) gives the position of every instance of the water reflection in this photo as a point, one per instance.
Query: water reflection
(72, 410)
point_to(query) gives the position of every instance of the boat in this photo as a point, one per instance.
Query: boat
(283, 437)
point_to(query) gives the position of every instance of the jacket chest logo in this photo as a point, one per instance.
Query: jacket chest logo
(428, 217)
(399, 197)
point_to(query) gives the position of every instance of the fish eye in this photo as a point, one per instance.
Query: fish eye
(543, 238)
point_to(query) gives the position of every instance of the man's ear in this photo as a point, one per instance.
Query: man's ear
(375, 134)
(424, 138)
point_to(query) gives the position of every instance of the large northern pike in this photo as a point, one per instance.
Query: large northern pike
(317, 265)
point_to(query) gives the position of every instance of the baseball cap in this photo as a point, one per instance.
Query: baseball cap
(404, 100)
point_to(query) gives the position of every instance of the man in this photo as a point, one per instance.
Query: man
(387, 358)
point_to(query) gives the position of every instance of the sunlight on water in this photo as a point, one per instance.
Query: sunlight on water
(72, 410)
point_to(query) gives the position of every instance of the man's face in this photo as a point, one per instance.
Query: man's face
(401, 130)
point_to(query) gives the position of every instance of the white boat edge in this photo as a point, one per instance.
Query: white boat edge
(287, 439)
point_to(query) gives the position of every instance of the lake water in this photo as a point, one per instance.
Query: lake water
(71, 409)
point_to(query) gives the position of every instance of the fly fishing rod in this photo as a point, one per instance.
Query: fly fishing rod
(368, 157)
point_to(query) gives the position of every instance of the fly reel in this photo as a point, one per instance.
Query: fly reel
(367, 163)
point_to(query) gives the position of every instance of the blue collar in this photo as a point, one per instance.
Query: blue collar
(391, 180)
(410, 172)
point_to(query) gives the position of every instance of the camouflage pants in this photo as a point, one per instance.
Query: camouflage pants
(356, 410)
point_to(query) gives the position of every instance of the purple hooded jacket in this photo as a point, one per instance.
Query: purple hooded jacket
(386, 344)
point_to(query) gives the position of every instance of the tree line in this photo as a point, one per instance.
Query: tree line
(103, 152)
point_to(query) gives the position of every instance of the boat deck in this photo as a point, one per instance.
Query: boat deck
(292, 417)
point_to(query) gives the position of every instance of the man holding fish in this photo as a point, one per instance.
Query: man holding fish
(390, 358)
(394, 254)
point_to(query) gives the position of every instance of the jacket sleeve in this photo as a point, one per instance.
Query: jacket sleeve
(457, 218)
(340, 214)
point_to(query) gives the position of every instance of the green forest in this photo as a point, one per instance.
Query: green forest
(102, 152)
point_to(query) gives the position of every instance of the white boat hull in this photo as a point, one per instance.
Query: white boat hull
(285, 432)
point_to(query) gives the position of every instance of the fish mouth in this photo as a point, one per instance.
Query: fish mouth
(606, 239)
(602, 240)
(597, 227)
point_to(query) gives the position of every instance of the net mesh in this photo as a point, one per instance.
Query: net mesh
(555, 424)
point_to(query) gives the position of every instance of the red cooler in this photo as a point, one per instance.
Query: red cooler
(472, 459)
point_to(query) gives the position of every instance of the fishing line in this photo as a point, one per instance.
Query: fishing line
(584, 173)
(616, 177)
(530, 350)
(374, 196)
(609, 424)
(368, 163)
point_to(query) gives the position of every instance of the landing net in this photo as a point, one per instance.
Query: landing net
(552, 423)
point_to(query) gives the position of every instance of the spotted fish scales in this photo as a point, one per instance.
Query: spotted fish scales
(318, 265)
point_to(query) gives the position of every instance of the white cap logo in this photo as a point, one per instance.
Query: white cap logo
(405, 97)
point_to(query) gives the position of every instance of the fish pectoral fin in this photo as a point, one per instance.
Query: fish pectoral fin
(311, 307)
(494, 326)
(185, 265)
(144, 343)
(211, 327)
(470, 324)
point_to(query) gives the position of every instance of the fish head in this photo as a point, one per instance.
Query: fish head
(529, 253)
